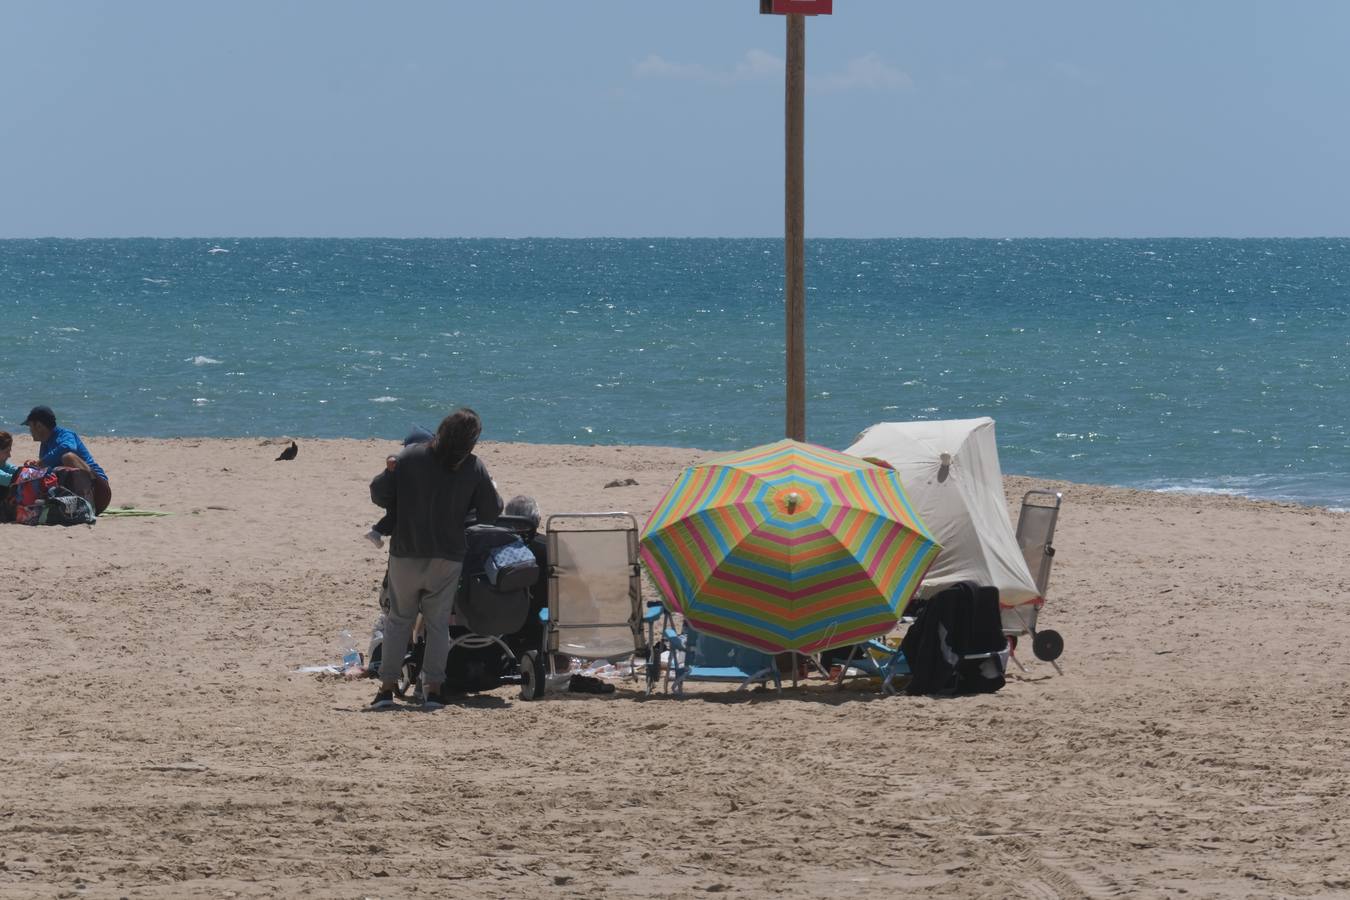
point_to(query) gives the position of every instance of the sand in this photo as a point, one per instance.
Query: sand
(155, 740)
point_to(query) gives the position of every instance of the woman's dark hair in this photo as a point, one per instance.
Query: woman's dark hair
(456, 437)
(6, 440)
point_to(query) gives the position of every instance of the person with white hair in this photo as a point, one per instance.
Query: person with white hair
(523, 507)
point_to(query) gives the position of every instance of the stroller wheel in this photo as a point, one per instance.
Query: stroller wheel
(532, 676)
(1047, 645)
(407, 677)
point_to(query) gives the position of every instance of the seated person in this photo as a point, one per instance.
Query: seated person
(7, 472)
(7, 469)
(63, 447)
(530, 637)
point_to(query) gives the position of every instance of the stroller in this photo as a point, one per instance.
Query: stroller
(495, 612)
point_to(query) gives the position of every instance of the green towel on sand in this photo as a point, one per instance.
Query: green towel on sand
(130, 511)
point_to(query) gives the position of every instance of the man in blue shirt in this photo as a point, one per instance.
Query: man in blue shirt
(63, 447)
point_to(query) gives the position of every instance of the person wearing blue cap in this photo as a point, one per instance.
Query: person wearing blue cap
(63, 447)
(385, 526)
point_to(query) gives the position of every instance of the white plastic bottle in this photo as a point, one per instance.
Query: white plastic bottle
(347, 647)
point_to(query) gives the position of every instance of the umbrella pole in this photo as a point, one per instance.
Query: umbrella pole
(794, 215)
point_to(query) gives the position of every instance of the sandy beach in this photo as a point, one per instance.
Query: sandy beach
(158, 741)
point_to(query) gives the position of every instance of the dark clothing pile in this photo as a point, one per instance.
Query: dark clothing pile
(953, 646)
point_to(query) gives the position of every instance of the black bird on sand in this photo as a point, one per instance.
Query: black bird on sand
(289, 452)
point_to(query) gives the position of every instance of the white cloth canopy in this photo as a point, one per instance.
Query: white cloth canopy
(951, 473)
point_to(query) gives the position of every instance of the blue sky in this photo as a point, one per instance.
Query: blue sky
(644, 118)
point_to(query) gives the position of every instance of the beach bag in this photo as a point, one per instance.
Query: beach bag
(31, 485)
(29, 495)
(59, 507)
(36, 514)
(64, 507)
(511, 567)
(956, 645)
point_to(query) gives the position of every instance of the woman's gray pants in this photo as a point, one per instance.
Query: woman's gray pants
(426, 586)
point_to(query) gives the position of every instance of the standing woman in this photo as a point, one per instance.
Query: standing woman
(433, 486)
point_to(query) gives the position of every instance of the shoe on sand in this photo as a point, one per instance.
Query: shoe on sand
(432, 702)
(585, 684)
(383, 700)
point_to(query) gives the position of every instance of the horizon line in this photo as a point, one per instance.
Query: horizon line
(610, 237)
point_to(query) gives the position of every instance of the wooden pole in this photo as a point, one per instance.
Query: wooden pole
(794, 215)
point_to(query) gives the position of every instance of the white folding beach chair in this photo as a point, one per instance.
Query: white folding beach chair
(595, 609)
(1035, 537)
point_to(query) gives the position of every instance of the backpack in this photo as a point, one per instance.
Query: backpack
(39, 498)
(956, 645)
(65, 507)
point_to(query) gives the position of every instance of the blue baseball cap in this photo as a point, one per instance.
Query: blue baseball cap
(418, 435)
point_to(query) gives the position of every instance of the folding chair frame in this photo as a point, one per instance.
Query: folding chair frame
(539, 672)
(1040, 573)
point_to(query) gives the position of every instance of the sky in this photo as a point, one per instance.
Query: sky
(664, 118)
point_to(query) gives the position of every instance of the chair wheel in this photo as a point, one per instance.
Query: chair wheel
(533, 676)
(1047, 645)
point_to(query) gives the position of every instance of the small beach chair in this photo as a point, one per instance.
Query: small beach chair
(595, 610)
(695, 656)
(874, 659)
(1035, 537)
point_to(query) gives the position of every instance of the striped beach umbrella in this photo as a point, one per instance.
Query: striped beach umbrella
(788, 546)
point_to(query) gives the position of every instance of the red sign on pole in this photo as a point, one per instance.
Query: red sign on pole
(797, 7)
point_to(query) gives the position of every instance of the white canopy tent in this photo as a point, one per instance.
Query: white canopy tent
(951, 473)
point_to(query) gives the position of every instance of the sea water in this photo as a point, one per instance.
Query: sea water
(1195, 365)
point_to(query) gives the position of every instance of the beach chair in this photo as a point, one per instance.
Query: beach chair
(1035, 537)
(595, 610)
(874, 659)
(695, 656)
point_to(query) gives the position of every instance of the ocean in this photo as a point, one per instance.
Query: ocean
(1170, 364)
